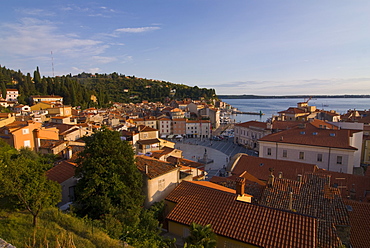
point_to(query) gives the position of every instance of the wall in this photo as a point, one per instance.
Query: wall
(329, 155)
(222, 242)
(157, 192)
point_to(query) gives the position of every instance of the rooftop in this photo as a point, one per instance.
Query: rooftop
(205, 203)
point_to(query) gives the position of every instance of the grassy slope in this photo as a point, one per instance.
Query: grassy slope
(53, 226)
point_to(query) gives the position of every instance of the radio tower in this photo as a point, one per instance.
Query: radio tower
(52, 62)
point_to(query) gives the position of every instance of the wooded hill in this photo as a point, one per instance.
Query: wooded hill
(78, 89)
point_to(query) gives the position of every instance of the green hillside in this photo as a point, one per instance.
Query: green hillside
(54, 227)
(114, 87)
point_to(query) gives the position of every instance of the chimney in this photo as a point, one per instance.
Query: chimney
(146, 170)
(240, 186)
(280, 175)
(290, 201)
(270, 182)
(299, 178)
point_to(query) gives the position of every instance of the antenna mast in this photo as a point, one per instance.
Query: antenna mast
(52, 62)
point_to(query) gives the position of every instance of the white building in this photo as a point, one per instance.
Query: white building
(165, 126)
(247, 133)
(198, 128)
(11, 95)
(330, 148)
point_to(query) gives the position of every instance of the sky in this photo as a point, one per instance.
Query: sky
(260, 47)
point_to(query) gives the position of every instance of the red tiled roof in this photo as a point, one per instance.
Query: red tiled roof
(346, 183)
(313, 136)
(260, 167)
(62, 171)
(245, 222)
(249, 124)
(311, 197)
(359, 213)
(185, 162)
(292, 110)
(282, 125)
(154, 167)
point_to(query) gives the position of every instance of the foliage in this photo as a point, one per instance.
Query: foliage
(200, 237)
(23, 177)
(77, 90)
(110, 183)
(55, 229)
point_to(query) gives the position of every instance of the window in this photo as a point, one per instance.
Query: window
(161, 184)
(319, 157)
(339, 159)
(268, 151)
(285, 153)
(25, 131)
(27, 143)
(301, 155)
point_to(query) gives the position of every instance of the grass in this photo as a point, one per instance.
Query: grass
(55, 229)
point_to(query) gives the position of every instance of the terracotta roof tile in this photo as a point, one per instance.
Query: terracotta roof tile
(153, 167)
(260, 167)
(359, 213)
(245, 222)
(313, 136)
(312, 196)
(62, 171)
(354, 186)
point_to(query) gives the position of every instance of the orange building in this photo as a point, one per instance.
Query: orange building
(27, 134)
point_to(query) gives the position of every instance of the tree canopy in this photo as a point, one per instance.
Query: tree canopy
(23, 177)
(200, 237)
(77, 90)
(109, 182)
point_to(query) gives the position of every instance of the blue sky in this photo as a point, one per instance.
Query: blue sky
(237, 47)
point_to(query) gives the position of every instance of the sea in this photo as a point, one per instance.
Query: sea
(270, 107)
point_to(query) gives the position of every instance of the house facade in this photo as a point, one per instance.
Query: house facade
(331, 149)
(159, 177)
(198, 128)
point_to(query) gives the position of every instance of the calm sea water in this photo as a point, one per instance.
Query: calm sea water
(271, 106)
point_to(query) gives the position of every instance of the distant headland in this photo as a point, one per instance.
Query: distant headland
(289, 96)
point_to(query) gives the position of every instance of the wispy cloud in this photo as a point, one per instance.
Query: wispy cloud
(33, 37)
(34, 12)
(136, 30)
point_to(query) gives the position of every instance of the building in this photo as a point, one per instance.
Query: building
(198, 129)
(50, 99)
(63, 173)
(303, 112)
(311, 195)
(159, 177)
(247, 133)
(21, 134)
(235, 221)
(165, 126)
(179, 126)
(11, 95)
(6, 118)
(315, 142)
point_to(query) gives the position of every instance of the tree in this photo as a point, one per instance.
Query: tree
(110, 182)
(3, 90)
(23, 176)
(200, 237)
